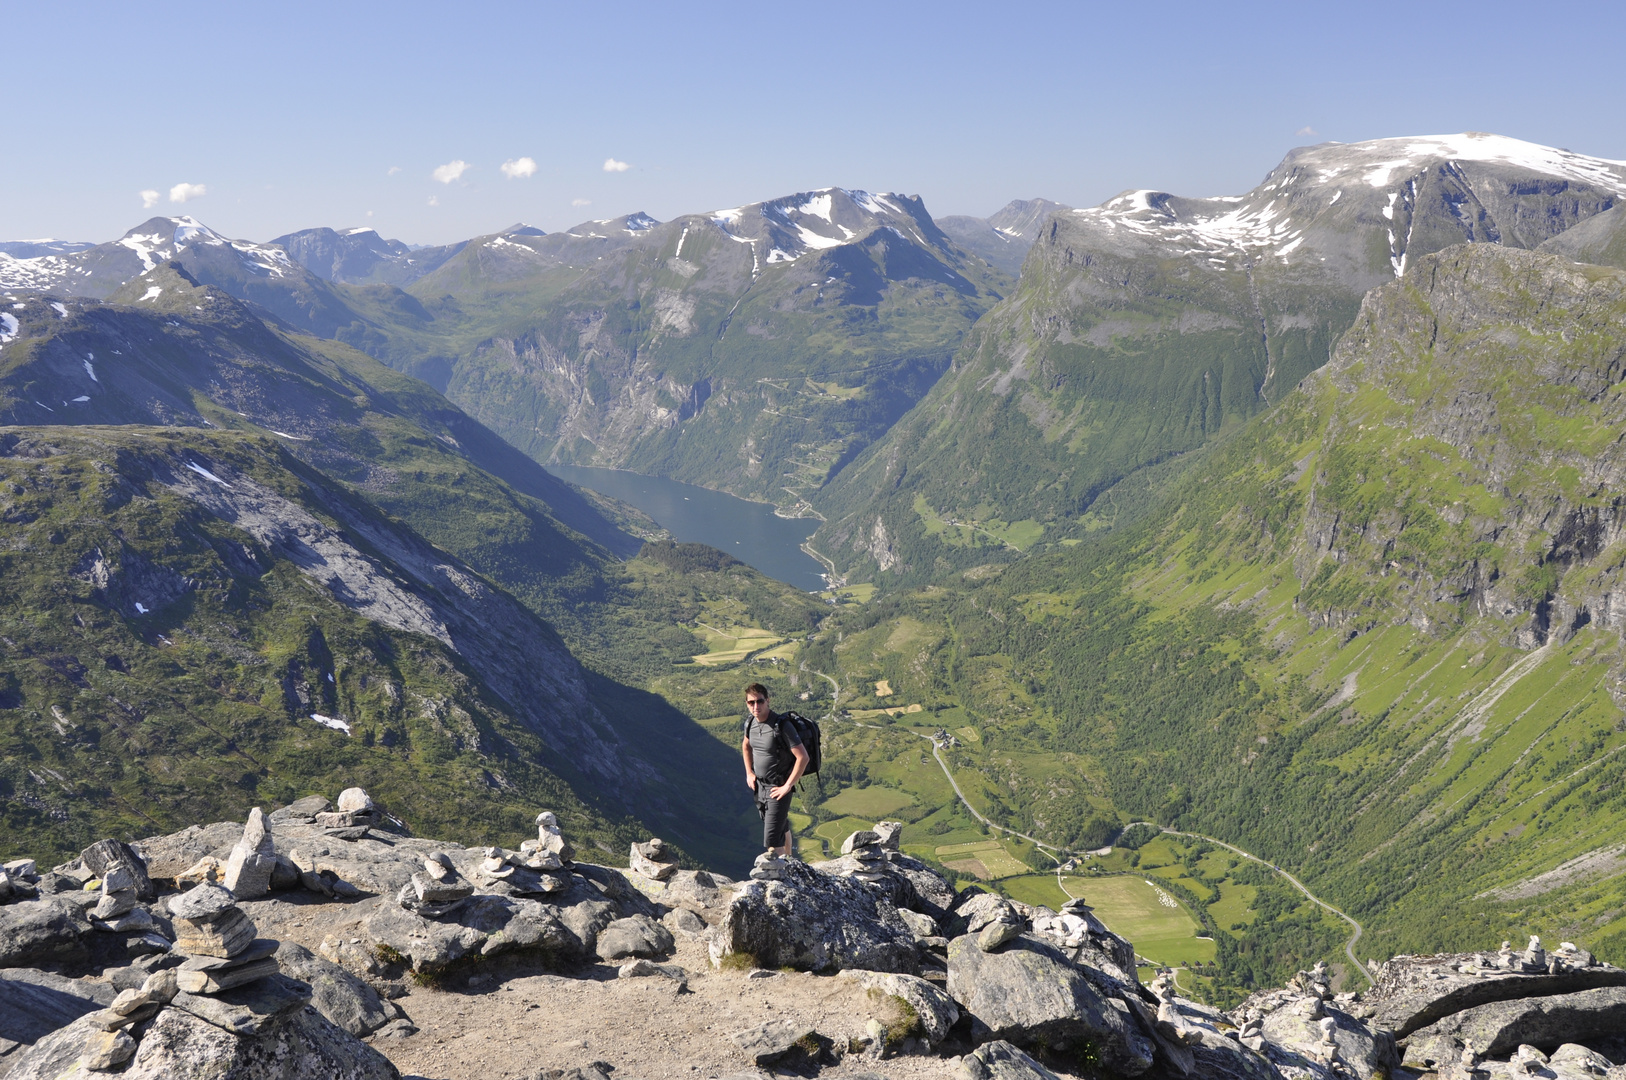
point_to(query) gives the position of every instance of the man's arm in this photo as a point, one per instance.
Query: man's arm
(800, 753)
(750, 773)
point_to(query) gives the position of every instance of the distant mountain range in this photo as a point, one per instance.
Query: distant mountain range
(1003, 239)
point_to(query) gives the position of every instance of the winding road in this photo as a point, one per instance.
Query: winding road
(1048, 849)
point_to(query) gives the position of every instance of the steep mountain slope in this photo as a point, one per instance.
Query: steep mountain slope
(1144, 326)
(754, 349)
(1600, 239)
(193, 357)
(1003, 239)
(195, 614)
(1373, 636)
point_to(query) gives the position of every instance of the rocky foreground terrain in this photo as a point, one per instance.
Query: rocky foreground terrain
(327, 941)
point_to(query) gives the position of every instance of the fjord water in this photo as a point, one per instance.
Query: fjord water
(749, 531)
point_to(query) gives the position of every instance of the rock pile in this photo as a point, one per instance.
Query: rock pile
(355, 815)
(652, 860)
(436, 890)
(253, 860)
(550, 850)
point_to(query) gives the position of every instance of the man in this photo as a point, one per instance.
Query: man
(774, 760)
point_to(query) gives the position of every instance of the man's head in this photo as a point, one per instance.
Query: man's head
(756, 699)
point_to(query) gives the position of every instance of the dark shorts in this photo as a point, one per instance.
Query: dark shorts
(774, 813)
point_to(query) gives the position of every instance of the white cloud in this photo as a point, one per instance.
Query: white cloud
(182, 192)
(1306, 130)
(434, 200)
(581, 202)
(450, 171)
(518, 167)
(612, 165)
(393, 169)
(149, 199)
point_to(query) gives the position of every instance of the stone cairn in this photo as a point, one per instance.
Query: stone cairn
(994, 920)
(550, 850)
(356, 814)
(653, 861)
(221, 954)
(252, 861)
(124, 885)
(436, 890)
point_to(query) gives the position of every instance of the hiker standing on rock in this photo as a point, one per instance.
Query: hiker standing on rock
(774, 760)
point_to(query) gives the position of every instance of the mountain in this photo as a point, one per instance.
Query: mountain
(1371, 636)
(1003, 239)
(1600, 239)
(1143, 327)
(30, 249)
(755, 349)
(361, 256)
(458, 537)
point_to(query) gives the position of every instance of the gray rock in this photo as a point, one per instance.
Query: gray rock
(338, 995)
(483, 925)
(202, 903)
(180, 1046)
(999, 1060)
(35, 1003)
(815, 922)
(173, 854)
(253, 860)
(683, 921)
(247, 1010)
(301, 811)
(863, 838)
(105, 855)
(637, 935)
(996, 935)
(922, 926)
(355, 799)
(1498, 1028)
(1029, 993)
(932, 1005)
(217, 980)
(1413, 992)
(47, 932)
(889, 833)
(651, 860)
(767, 1043)
(1369, 1053)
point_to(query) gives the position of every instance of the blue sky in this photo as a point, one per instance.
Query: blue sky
(292, 115)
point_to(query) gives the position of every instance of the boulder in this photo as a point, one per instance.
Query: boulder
(169, 856)
(483, 925)
(936, 1011)
(249, 1009)
(1413, 992)
(1029, 993)
(888, 834)
(1367, 1052)
(683, 921)
(1498, 1028)
(768, 1043)
(48, 932)
(815, 922)
(179, 1046)
(104, 856)
(338, 995)
(253, 860)
(999, 1060)
(637, 935)
(300, 811)
(35, 1003)
(652, 860)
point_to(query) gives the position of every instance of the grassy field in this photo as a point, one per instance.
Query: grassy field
(728, 646)
(1158, 925)
(854, 594)
(991, 855)
(871, 802)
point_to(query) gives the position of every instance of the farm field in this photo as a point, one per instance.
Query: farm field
(1157, 923)
(984, 859)
(734, 644)
(874, 803)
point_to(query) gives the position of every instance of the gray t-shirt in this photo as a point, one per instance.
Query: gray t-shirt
(771, 757)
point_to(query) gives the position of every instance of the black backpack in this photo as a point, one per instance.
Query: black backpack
(806, 730)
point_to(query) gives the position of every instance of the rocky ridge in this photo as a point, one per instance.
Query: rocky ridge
(152, 958)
